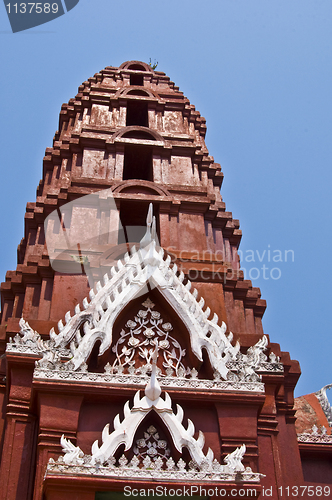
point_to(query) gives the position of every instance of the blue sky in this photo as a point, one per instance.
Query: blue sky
(261, 73)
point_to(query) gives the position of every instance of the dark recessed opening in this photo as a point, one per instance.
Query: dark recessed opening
(133, 219)
(138, 92)
(138, 134)
(137, 80)
(93, 365)
(137, 163)
(137, 113)
(137, 67)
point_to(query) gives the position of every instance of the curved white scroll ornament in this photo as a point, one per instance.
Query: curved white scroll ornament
(234, 459)
(73, 454)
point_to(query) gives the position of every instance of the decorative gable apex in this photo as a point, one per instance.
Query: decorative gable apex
(129, 279)
(102, 460)
(67, 352)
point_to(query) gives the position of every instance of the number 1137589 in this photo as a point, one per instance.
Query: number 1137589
(32, 8)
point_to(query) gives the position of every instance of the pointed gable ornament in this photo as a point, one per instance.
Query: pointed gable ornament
(102, 460)
(67, 352)
(127, 281)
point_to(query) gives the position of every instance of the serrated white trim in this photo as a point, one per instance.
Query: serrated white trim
(315, 436)
(102, 457)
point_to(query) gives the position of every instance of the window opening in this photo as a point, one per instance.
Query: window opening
(137, 162)
(138, 67)
(139, 92)
(137, 80)
(137, 113)
(138, 134)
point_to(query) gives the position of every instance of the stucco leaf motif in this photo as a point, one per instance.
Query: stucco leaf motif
(141, 336)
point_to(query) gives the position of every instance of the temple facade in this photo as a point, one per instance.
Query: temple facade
(132, 350)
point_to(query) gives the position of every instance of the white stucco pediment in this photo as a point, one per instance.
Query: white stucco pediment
(65, 355)
(160, 466)
(128, 280)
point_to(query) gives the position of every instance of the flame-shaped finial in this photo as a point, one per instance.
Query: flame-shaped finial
(150, 221)
(153, 389)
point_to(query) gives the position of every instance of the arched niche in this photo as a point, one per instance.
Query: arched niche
(153, 134)
(136, 66)
(144, 187)
(169, 329)
(138, 134)
(137, 70)
(138, 92)
(159, 433)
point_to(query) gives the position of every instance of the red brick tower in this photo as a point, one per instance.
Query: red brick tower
(130, 139)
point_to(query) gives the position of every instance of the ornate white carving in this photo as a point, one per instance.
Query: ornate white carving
(127, 280)
(52, 367)
(148, 329)
(153, 390)
(30, 343)
(151, 445)
(247, 366)
(147, 469)
(234, 459)
(124, 431)
(139, 381)
(201, 465)
(315, 436)
(324, 402)
(73, 454)
(241, 375)
(233, 370)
